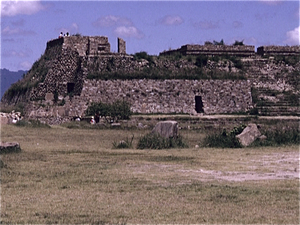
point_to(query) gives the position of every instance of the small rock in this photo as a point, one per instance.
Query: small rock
(9, 147)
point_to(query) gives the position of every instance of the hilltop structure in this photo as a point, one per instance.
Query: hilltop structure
(214, 50)
(62, 83)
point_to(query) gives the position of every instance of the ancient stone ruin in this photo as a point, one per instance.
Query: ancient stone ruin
(212, 50)
(60, 86)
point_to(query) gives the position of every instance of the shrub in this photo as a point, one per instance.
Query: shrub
(224, 139)
(116, 110)
(201, 61)
(219, 43)
(238, 43)
(143, 55)
(156, 141)
(279, 137)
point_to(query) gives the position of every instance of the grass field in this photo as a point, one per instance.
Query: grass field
(74, 176)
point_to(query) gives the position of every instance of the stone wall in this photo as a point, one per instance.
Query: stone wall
(121, 46)
(279, 50)
(65, 70)
(238, 50)
(169, 96)
(151, 96)
(84, 45)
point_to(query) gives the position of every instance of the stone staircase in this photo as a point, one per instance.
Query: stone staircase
(273, 88)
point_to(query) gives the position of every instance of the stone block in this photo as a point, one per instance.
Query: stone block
(49, 97)
(166, 129)
(61, 111)
(249, 135)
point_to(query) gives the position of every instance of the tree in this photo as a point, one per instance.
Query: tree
(236, 43)
(218, 43)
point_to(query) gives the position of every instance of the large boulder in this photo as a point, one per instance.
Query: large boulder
(249, 135)
(166, 129)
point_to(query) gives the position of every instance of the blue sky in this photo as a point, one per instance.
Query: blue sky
(151, 26)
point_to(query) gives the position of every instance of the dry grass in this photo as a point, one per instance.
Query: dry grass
(74, 176)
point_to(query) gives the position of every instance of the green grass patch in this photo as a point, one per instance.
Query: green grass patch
(127, 143)
(156, 141)
(31, 123)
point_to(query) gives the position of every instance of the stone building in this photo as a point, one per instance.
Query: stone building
(212, 50)
(65, 91)
(278, 50)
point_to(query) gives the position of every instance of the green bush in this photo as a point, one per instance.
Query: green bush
(117, 110)
(201, 60)
(156, 141)
(224, 139)
(279, 137)
(143, 55)
(236, 43)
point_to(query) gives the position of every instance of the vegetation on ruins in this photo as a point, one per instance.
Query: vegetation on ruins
(179, 67)
(218, 42)
(238, 43)
(34, 76)
(290, 60)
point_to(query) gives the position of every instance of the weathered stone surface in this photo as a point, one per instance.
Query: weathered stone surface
(49, 96)
(249, 135)
(166, 128)
(4, 119)
(11, 117)
(2, 164)
(9, 147)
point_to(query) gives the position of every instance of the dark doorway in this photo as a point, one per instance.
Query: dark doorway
(70, 87)
(199, 104)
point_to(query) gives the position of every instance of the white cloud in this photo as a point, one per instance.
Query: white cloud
(237, 24)
(17, 31)
(14, 53)
(13, 8)
(109, 21)
(206, 25)
(171, 20)
(25, 65)
(130, 31)
(292, 37)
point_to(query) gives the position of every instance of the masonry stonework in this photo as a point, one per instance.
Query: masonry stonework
(279, 50)
(211, 50)
(121, 46)
(66, 90)
(168, 96)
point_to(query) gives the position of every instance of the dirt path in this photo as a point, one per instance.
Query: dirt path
(269, 167)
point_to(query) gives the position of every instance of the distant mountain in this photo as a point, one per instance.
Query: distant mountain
(8, 78)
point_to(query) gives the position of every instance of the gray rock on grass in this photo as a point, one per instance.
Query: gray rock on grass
(166, 129)
(249, 135)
